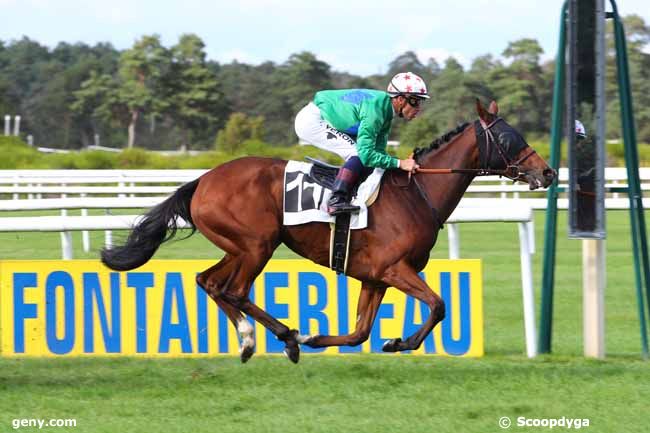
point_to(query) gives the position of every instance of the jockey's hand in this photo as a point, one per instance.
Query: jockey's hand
(409, 165)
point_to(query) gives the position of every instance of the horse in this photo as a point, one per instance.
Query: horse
(239, 207)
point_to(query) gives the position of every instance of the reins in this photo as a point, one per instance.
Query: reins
(512, 168)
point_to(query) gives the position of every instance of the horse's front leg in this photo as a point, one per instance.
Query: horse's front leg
(369, 301)
(403, 277)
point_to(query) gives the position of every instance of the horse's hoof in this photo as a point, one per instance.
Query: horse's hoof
(246, 353)
(392, 345)
(293, 353)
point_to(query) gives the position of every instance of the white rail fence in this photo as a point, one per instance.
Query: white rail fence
(131, 189)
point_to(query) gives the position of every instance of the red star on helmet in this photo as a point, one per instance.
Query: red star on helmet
(409, 89)
(407, 77)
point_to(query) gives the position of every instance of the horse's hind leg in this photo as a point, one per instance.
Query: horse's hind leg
(213, 281)
(248, 266)
(369, 300)
(403, 277)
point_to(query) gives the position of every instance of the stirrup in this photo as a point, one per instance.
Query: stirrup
(342, 208)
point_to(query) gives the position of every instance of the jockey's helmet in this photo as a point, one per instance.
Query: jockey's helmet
(407, 84)
(580, 130)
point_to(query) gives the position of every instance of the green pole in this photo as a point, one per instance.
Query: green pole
(637, 218)
(550, 230)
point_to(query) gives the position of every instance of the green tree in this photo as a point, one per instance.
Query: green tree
(98, 99)
(238, 129)
(517, 86)
(194, 93)
(141, 72)
(637, 34)
(303, 75)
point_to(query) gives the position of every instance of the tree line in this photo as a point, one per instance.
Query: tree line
(152, 96)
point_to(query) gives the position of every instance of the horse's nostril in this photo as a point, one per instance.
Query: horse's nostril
(549, 173)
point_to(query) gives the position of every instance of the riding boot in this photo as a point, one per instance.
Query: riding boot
(339, 202)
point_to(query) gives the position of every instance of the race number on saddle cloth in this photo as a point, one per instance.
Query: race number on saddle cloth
(305, 199)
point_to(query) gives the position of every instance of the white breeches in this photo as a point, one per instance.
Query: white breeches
(310, 127)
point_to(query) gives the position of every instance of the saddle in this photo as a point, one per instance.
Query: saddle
(324, 174)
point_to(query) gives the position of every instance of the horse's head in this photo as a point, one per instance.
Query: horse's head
(502, 147)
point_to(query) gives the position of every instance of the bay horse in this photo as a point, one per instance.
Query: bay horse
(239, 205)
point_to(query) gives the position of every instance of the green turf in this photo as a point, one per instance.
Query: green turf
(359, 393)
(364, 393)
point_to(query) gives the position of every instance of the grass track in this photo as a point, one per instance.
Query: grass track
(364, 393)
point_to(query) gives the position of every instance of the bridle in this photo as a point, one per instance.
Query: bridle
(511, 171)
(512, 167)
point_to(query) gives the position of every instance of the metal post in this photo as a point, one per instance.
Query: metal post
(593, 298)
(637, 217)
(550, 231)
(7, 125)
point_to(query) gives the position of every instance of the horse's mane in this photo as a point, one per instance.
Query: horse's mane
(419, 152)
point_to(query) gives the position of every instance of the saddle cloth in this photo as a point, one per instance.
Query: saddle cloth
(305, 198)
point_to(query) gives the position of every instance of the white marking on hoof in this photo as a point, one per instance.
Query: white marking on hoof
(302, 339)
(245, 330)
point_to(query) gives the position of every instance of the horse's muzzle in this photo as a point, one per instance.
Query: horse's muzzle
(540, 178)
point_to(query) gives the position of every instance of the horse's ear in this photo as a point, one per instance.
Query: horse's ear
(494, 108)
(481, 111)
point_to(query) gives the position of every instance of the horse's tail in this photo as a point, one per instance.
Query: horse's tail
(157, 226)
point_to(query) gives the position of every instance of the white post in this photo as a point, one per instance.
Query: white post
(593, 297)
(66, 245)
(85, 236)
(108, 238)
(7, 125)
(108, 235)
(66, 237)
(17, 126)
(530, 227)
(527, 288)
(454, 241)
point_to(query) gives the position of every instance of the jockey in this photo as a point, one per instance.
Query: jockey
(355, 124)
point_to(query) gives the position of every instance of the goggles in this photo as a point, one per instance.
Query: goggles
(414, 101)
